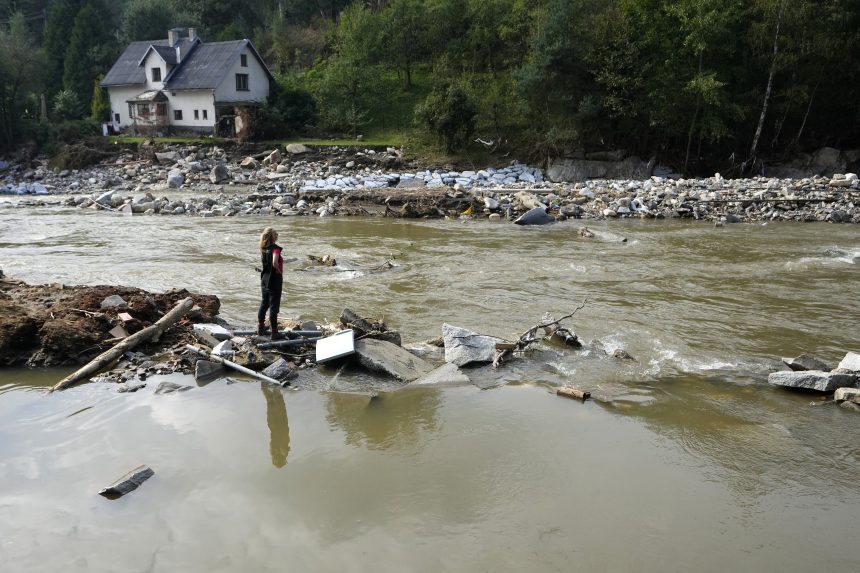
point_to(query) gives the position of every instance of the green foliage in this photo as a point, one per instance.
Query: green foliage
(67, 105)
(150, 19)
(90, 50)
(289, 111)
(449, 114)
(21, 62)
(99, 105)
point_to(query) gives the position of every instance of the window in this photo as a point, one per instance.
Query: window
(196, 114)
(205, 114)
(177, 114)
(116, 117)
(243, 60)
(156, 74)
(241, 82)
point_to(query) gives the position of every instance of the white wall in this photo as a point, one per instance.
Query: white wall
(153, 60)
(258, 81)
(188, 101)
(118, 102)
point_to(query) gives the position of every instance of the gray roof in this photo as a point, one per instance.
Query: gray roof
(127, 69)
(203, 67)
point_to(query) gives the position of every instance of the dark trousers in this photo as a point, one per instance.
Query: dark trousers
(271, 302)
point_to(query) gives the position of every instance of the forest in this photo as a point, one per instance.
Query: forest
(694, 83)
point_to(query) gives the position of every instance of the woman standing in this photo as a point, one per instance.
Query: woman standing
(271, 282)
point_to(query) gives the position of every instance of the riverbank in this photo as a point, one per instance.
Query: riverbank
(209, 181)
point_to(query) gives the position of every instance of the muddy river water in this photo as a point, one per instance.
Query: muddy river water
(686, 460)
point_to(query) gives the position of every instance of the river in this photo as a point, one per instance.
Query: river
(686, 460)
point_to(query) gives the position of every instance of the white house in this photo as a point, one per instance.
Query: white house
(185, 85)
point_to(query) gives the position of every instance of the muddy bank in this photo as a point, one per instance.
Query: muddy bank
(61, 325)
(209, 181)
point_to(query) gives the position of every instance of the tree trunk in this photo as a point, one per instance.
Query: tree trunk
(806, 115)
(693, 121)
(769, 83)
(149, 333)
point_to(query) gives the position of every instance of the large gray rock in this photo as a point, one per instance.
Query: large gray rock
(464, 346)
(219, 173)
(806, 362)
(280, 370)
(850, 362)
(445, 375)
(296, 148)
(812, 380)
(847, 395)
(206, 370)
(167, 157)
(175, 179)
(582, 169)
(114, 301)
(391, 359)
(536, 216)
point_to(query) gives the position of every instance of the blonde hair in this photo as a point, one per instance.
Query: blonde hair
(268, 238)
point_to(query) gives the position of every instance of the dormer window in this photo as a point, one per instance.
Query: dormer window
(156, 74)
(243, 60)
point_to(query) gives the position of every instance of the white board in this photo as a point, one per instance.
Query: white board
(335, 346)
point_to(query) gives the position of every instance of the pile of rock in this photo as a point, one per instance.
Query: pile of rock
(809, 373)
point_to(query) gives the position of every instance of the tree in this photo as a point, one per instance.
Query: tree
(450, 114)
(67, 105)
(61, 20)
(20, 64)
(99, 106)
(151, 19)
(405, 25)
(89, 53)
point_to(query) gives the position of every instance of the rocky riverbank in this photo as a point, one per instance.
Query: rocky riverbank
(208, 181)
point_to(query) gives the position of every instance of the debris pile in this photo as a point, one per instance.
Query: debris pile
(210, 181)
(808, 373)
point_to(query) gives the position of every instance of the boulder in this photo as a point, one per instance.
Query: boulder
(536, 216)
(206, 370)
(464, 346)
(114, 301)
(219, 173)
(391, 359)
(250, 163)
(280, 370)
(812, 380)
(806, 362)
(847, 395)
(175, 179)
(167, 157)
(850, 362)
(296, 148)
(446, 375)
(414, 183)
(215, 330)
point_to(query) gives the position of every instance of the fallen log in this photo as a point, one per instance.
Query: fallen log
(574, 393)
(550, 328)
(101, 361)
(127, 483)
(234, 366)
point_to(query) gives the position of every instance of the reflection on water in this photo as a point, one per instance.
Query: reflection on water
(279, 426)
(389, 420)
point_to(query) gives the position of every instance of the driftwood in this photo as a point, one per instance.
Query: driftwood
(153, 332)
(574, 393)
(550, 328)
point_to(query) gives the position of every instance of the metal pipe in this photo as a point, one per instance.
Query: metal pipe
(286, 343)
(234, 366)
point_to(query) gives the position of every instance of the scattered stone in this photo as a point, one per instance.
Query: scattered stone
(850, 362)
(297, 148)
(127, 483)
(621, 354)
(281, 370)
(130, 387)
(464, 346)
(391, 359)
(219, 173)
(114, 301)
(806, 362)
(206, 370)
(847, 394)
(812, 380)
(215, 330)
(223, 348)
(175, 179)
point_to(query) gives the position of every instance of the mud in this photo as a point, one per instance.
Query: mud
(60, 325)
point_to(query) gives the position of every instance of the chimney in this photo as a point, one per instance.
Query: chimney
(173, 36)
(192, 33)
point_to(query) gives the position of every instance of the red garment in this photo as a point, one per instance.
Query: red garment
(277, 250)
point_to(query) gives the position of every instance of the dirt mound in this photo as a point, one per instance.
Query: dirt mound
(54, 325)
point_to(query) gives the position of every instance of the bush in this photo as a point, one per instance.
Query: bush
(288, 112)
(67, 105)
(449, 113)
